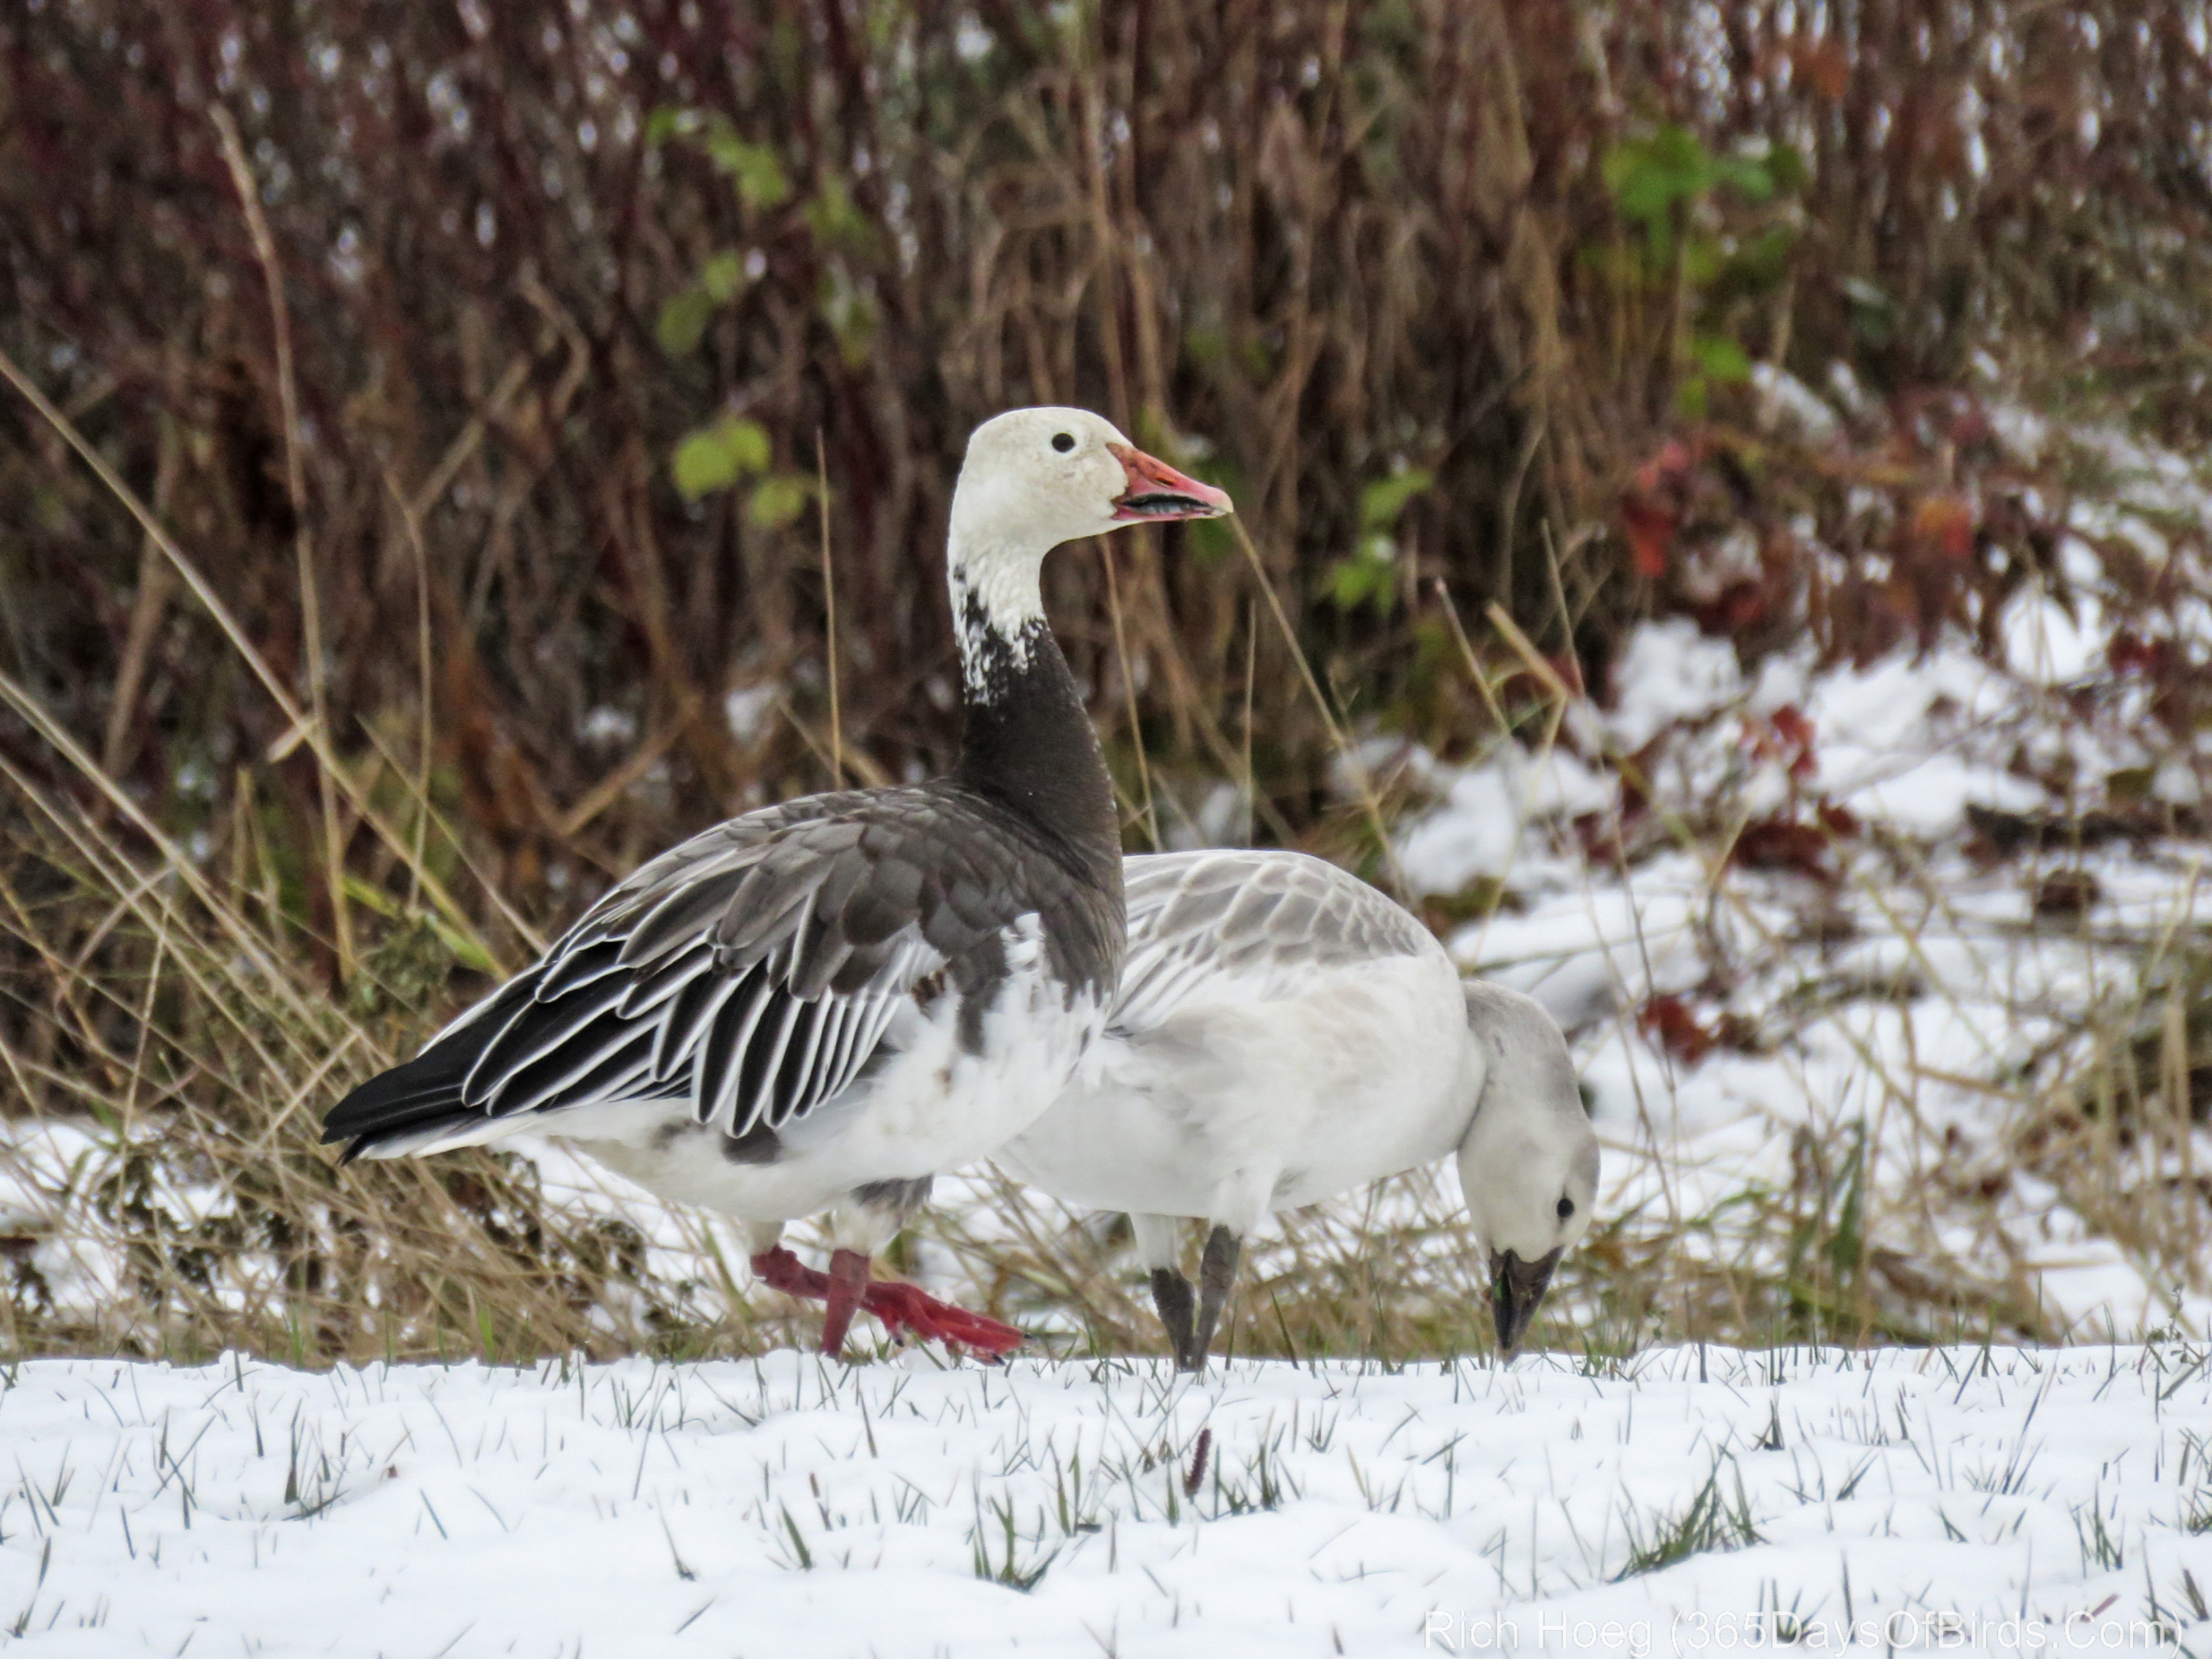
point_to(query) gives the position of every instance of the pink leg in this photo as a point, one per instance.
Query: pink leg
(848, 1283)
(780, 1270)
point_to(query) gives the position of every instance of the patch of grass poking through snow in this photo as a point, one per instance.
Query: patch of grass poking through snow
(2197, 1507)
(2101, 1551)
(1001, 1553)
(1266, 1483)
(1713, 1523)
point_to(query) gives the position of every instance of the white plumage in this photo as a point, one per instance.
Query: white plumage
(1284, 1033)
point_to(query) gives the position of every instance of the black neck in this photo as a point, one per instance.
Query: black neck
(1029, 743)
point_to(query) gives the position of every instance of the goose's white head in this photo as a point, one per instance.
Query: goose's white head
(1036, 478)
(1528, 1164)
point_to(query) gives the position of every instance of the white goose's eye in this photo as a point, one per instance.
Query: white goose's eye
(1063, 441)
(1566, 1208)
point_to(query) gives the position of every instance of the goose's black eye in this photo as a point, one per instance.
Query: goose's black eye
(1063, 441)
(1566, 1208)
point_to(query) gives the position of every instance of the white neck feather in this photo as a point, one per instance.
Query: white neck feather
(996, 587)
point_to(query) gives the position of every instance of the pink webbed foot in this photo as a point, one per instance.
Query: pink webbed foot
(905, 1310)
(910, 1307)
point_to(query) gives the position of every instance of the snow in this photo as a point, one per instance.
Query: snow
(1488, 811)
(747, 709)
(1908, 990)
(1960, 1499)
(1678, 673)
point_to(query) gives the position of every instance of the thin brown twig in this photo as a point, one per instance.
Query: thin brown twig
(1338, 736)
(300, 722)
(829, 616)
(296, 485)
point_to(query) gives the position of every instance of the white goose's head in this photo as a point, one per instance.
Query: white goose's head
(1036, 478)
(1528, 1162)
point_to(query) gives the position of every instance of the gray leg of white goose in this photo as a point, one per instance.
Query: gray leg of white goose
(1217, 1272)
(1159, 1244)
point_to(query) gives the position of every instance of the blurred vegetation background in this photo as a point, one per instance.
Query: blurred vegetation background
(488, 369)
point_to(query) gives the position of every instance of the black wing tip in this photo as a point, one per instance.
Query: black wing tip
(405, 1100)
(364, 1140)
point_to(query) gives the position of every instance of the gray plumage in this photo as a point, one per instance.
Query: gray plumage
(822, 1005)
(1266, 919)
(754, 969)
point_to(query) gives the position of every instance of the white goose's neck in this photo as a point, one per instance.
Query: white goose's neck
(997, 610)
(1026, 741)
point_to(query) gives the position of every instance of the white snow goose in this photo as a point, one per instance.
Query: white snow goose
(1284, 1033)
(822, 1005)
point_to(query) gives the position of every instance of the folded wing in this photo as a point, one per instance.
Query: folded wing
(1247, 926)
(752, 972)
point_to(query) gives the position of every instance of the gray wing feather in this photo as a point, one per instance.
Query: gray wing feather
(761, 962)
(1258, 917)
(755, 971)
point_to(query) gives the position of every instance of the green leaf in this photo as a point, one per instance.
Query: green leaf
(683, 319)
(704, 466)
(1382, 502)
(835, 219)
(1787, 167)
(715, 457)
(668, 122)
(1679, 154)
(723, 277)
(1747, 174)
(778, 499)
(1721, 358)
(1647, 176)
(747, 441)
(1368, 577)
(757, 169)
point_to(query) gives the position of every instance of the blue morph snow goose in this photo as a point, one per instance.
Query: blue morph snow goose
(823, 1003)
(1284, 1033)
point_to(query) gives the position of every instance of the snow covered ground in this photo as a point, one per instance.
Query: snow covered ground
(2005, 1501)
(1844, 913)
